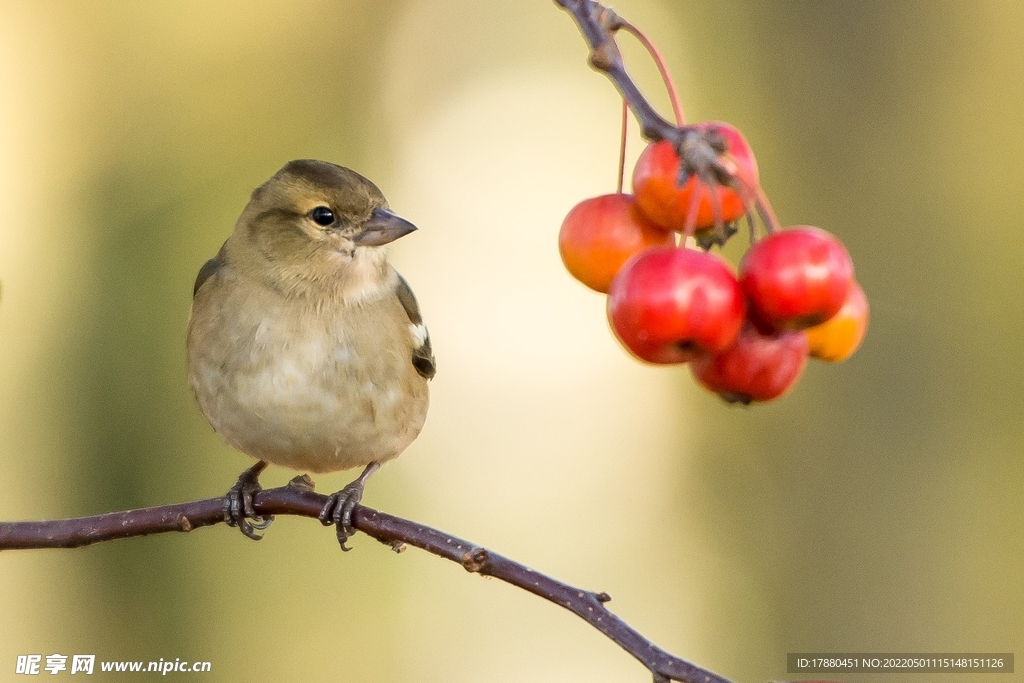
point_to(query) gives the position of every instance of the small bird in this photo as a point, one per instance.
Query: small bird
(306, 348)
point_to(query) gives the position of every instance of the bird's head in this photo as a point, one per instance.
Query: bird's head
(316, 225)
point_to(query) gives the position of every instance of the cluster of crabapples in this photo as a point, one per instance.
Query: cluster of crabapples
(746, 336)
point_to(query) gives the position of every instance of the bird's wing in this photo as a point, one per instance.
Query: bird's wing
(208, 269)
(422, 355)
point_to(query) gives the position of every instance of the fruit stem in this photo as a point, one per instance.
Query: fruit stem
(622, 145)
(690, 224)
(677, 108)
(750, 223)
(753, 194)
(764, 209)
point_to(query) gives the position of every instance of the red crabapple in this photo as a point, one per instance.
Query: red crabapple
(757, 367)
(669, 305)
(795, 278)
(664, 201)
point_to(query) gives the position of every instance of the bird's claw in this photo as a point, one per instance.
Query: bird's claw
(340, 506)
(338, 511)
(238, 507)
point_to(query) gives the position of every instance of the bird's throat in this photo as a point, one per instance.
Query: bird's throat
(366, 277)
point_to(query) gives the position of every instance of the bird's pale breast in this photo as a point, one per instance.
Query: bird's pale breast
(314, 388)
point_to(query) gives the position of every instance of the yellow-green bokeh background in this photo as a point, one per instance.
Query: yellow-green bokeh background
(876, 508)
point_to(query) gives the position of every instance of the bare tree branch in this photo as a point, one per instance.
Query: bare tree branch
(299, 499)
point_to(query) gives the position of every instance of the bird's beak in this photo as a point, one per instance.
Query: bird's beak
(381, 228)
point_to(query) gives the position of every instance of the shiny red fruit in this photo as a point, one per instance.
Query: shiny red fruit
(669, 305)
(656, 181)
(600, 234)
(796, 278)
(757, 367)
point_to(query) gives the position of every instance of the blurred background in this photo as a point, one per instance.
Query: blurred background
(878, 507)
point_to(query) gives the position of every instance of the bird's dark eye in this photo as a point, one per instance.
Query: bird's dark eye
(322, 215)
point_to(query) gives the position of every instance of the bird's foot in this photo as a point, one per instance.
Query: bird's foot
(238, 507)
(339, 507)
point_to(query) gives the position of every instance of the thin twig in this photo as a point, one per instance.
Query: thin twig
(598, 24)
(299, 499)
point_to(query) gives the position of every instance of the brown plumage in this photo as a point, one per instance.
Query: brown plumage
(305, 347)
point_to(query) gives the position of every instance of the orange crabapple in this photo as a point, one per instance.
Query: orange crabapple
(837, 338)
(600, 234)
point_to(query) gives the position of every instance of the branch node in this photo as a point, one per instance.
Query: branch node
(476, 561)
(609, 20)
(398, 546)
(604, 56)
(303, 482)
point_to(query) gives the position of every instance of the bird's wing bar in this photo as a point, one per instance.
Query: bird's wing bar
(422, 355)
